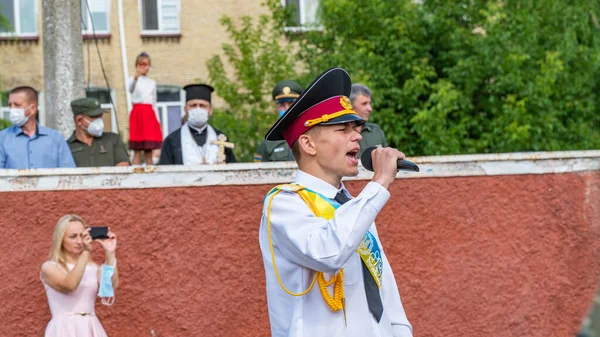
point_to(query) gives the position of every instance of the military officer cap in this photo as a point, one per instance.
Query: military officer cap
(88, 106)
(325, 102)
(286, 91)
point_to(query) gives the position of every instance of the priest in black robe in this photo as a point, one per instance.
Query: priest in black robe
(196, 142)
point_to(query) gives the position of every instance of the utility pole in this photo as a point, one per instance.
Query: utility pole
(63, 61)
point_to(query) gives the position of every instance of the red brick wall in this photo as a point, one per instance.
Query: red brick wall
(473, 256)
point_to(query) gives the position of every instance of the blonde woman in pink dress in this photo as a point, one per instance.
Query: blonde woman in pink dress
(71, 279)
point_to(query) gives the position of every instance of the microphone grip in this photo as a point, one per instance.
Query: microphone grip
(406, 165)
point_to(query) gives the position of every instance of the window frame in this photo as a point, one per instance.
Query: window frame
(89, 31)
(302, 17)
(163, 109)
(160, 31)
(4, 112)
(113, 115)
(17, 19)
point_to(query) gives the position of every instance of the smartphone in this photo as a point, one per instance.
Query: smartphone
(99, 232)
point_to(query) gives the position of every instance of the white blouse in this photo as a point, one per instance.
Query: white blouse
(144, 91)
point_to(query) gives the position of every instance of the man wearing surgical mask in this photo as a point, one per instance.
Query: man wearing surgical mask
(27, 144)
(194, 142)
(284, 95)
(89, 144)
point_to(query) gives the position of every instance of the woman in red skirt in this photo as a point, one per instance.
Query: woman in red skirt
(144, 130)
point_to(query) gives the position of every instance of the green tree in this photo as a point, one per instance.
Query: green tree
(469, 76)
(4, 124)
(5, 25)
(258, 57)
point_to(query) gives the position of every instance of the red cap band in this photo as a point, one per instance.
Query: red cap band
(327, 107)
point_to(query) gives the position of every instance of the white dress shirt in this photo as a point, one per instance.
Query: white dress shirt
(304, 243)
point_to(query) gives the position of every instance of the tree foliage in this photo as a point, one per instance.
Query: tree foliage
(5, 25)
(257, 58)
(448, 77)
(469, 76)
(4, 124)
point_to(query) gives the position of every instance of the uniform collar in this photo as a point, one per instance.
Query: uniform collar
(313, 183)
(72, 139)
(199, 130)
(39, 130)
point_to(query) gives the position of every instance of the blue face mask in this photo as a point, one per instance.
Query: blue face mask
(281, 113)
(106, 292)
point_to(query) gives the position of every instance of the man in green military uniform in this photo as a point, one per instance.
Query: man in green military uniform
(89, 144)
(372, 134)
(284, 94)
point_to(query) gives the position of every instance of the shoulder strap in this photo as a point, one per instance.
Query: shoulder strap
(317, 203)
(292, 187)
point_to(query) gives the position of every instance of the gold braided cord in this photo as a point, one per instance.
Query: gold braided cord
(335, 302)
(323, 281)
(273, 253)
(287, 96)
(327, 117)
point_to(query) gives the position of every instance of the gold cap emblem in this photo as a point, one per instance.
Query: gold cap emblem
(345, 102)
(286, 90)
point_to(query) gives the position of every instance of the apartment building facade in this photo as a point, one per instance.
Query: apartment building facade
(179, 35)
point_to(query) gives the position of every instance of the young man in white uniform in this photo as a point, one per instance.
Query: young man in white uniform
(314, 230)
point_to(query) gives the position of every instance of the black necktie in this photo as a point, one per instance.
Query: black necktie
(371, 289)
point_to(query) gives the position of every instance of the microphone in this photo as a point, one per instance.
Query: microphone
(367, 162)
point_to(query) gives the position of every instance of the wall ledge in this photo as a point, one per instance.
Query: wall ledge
(281, 172)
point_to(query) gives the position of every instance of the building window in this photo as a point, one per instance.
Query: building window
(160, 16)
(105, 98)
(4, 114)
(21, 17)
(302, 14)
(170, 107)
(95, 18)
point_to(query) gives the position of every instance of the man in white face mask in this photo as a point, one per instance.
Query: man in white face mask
(194, 142)
(89, 144)
(27, 144)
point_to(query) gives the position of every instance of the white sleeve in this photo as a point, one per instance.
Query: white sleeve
(130, 84)
(392, 302)
(154, 93)
(320, 244)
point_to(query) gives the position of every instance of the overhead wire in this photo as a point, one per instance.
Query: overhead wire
(95, 38)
